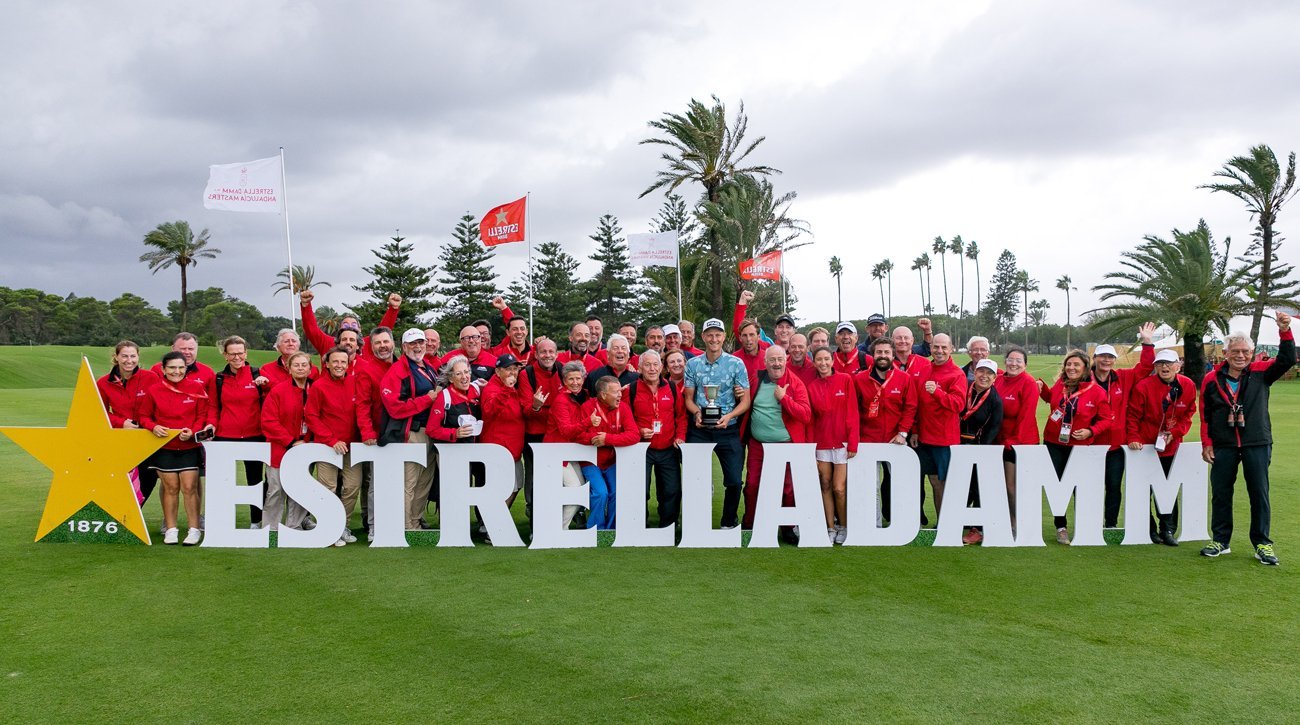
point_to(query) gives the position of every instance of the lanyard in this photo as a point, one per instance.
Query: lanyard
(973, 405)
(654, 395)
(880, 387)
(1070, 403)
(618, 417)
(1228, 396)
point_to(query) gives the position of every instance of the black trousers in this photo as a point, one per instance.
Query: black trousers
(887, 497)
(253, 473)
(731, 457)
(1114, 479)
(1159, 521)
(1060, 456)
(666, 463)
(148, 481)
(529, 438)
(1253, 462)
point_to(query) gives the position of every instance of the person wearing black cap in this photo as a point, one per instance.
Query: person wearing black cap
(718, 383)
(783, 331)
(878, 327)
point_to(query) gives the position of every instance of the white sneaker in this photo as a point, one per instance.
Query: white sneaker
(840, 534)
(308, 523)
(370, 536)
(340, 542)
(830, 534)
(192, 537)
(254, 527)
(349, 537)
(482, 529)
(171, 536)
(202, 521)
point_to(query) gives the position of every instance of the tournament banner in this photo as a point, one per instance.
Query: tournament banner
(504, 224)
(653, 250)
(253, 186)
(766, 266)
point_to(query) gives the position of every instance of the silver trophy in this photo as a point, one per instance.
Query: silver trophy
(712, 412)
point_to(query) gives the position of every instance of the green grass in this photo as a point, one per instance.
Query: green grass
(909, 633)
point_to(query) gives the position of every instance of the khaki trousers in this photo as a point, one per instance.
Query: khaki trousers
(418, 481)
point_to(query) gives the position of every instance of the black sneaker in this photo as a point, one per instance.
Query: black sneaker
(1214, 549)
(1167, 538)
(1264, 552)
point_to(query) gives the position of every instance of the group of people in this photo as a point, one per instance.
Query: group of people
(830, 389)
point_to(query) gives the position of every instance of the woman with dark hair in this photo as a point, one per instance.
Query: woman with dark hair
(1019, 393)
(122, 391)
(1080, 416)
(181, 404)
(240, 388)
(834, 404)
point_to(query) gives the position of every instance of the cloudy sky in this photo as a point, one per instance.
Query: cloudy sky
(1063, 132)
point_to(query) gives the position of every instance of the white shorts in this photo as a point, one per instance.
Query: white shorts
(833, 455)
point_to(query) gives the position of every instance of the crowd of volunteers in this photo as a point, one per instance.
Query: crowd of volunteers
(739, 391)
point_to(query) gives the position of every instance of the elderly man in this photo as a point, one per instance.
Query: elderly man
(619, 354)
(688, 338)
(723, 376)
(941, 399)
(847, 357)
(579, 339)
(780, 413)
(905, 355)
(1237, 434)
(1118, 384)
(407, 392)
(1160, 410)
(628, 331)
(277, 371)
(432, 346)
(482, 363)
(660, 411)
(978, 349)
(655, 339)
(607, 423)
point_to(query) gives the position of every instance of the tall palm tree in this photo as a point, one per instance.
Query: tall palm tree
(929, 288)
(837, 270)
(748, 220)
(304, 278)
(940, 248)
(703, 148)
(919, 264)
(878, 274)
(1065, 284)
(1257, 180)
(1026, 285)
(973, 252)
(1038, 315)
(887, 267)
(1185, 283)
(958, 247)
(174, 243)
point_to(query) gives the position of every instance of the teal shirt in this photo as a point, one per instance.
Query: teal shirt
(765, 419)
(726, 372)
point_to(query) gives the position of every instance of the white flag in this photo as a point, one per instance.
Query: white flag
(250, 186)
(653, 250)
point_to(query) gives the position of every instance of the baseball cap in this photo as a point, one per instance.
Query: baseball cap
(413, 335)
(507, 361)
(986, 364)
(671, 329)
(1167, 356)
(845, 326)
(787, 320)
(713, 323)
(1105, 350)
(877, 318)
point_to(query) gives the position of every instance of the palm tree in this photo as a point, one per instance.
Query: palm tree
(1257, 180)
(1185, 283)
(304, 278)
(1026, 285)
(940, 248)
(1038, 315)
(747, 221)
(958, 247)
(888, 267)
(704, 149)
(929, 288)
(878, 274)
(174, 243)
(919, 264)
(837, 270)
(1065, 284)
(973, 252)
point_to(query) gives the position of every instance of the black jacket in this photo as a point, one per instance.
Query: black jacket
(1252, 395)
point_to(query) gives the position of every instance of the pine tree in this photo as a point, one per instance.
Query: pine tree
(558, 300)
(395, 273)
(468, 283)
(1003, 300)
(612, 291)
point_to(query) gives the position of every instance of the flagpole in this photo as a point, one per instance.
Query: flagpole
(680, 316)
(288, 245)
(528, 235)
(785, 310)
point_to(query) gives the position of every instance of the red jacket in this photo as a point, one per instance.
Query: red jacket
(504, 414)
(834, 403)
(564, 424)
(1150, 411)
(618, 425)
(332, 410)
(796, 410)
(1121, 385)
(603, 356)
(1019, 409)
(198, 372)
(805, 372)
(183, 406)
(1090, 409)
(283, 421)
(323, 341)
(239, 404)
(895, 403)
(852, 363)
(591, 362)
(391, 388)
(755, 362)
(663, 405)
(524, 356)
(449, 398)
(275, 373)
(370, 406)
(548, 380)
(917, 366)
(939, 413)
(122, 399)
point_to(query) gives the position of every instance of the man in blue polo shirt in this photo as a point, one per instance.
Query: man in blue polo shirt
(723, 376)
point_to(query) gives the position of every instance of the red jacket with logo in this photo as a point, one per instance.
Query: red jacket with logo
(916, 365)
(618, 425)
(176, 407)
(895, 402)
(1091, 411)
(275, 373)
(1150, 411)
(198, 372)
(834, 403)
(1121, 384)
(547, 380)
(323, 341)
(796, 410)
(564, 424)
(332, 410)
(283, 418)
(122, 399)
(939, 413)
(1019, 409)
(805, 372)
(504, 413)
(591, 362)
(852, 362)
(370, 406)
(239, 404)
(662, 405)
(391, 387)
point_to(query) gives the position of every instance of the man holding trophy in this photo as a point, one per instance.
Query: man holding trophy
(717, 395)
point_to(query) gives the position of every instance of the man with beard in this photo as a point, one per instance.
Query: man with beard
(370, 416)
(579, 339)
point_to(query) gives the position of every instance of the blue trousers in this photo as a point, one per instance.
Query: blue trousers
(603, 489)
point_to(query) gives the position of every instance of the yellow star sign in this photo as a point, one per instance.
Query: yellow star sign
(91, 460)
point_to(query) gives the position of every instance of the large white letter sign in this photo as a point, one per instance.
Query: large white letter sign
(807, 512)
(905, 492)
(993, 513)
(1084, 479)
(302, 487)
(224, 494)
(550, 496)
(457, 497)
(630, 506)
(390, 493)
(1144, 476)
(697, 502)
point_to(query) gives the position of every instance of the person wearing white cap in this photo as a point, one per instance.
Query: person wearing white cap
(725, 377)
(407, 391)
(981, 423)
(673, 341)
(1118, 384)
(1160, 410)
(847, 357)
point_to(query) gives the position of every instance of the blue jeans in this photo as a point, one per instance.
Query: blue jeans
(603, 490)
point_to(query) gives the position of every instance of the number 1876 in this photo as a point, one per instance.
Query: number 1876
(92, 527)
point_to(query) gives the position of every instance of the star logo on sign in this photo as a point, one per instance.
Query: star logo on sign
(502, 217)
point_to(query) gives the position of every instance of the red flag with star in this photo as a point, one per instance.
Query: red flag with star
(504, 224)
(766, 266)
